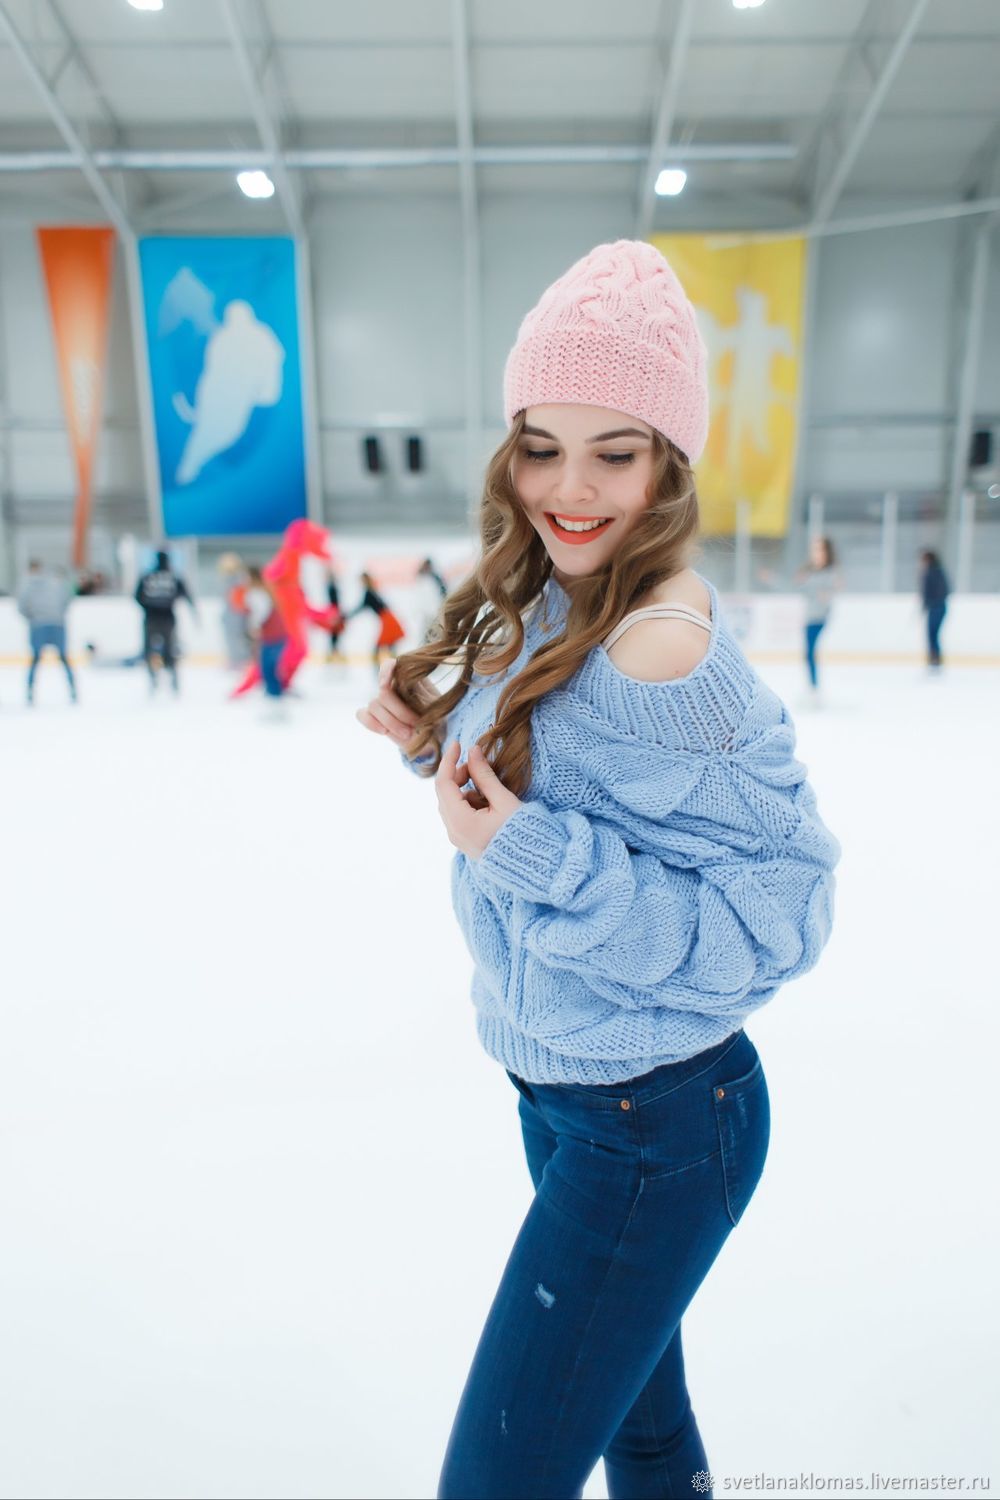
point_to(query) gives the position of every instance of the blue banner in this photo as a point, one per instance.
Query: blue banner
(222, 336)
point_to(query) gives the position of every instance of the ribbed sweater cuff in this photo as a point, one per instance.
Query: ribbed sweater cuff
(421, 760)
(525, 854)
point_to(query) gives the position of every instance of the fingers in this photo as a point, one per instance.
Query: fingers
(425, 691)
(393, 712)
(444, 776)
(379, 719)
(483, 774)
(392, 701)
(449, 761)
(365, 717)
(479, 767)
(387, 713)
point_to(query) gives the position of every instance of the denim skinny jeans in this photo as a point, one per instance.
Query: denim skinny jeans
(812, 636)
(637, 1187)
(935, 618)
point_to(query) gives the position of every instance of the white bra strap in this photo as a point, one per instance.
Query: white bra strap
(658, 611)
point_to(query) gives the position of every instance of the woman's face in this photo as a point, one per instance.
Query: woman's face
(584, 464)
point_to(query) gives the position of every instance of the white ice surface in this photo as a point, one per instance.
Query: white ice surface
(258, 1181)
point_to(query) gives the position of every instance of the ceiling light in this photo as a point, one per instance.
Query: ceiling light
(671, 182)
(146, 4)
(255, 184)
(746, 4)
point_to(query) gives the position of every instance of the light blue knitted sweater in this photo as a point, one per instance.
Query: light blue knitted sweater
(667, 872)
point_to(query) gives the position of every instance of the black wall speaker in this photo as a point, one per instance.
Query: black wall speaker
(981, 449)
(414, 455)
(373, 455)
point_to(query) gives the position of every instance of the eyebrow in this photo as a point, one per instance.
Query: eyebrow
(602, 437)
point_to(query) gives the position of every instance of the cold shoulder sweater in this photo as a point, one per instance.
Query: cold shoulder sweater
(666, 873)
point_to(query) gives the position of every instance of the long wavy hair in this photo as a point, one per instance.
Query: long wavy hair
(479, 626)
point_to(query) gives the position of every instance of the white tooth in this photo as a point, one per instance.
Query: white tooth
(578, 525)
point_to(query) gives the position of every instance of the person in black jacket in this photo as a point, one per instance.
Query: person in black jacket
(934, 591)
(390, 626)
(156, 594)
(337, 628)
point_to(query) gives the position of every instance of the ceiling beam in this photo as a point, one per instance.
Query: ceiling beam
(266, 128)
(826, 199)
(664, 122)
(74, 53)
(228, 158)
(983, 175)
(81, 156)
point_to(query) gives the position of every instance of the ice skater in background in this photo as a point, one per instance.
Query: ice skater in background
(337, 627)
(934, 591)
(302, 539)
(818, 579)
(156, 594)
(43, 600)
(391, 631)
(267, 631)
(234, 614)
(429, 589)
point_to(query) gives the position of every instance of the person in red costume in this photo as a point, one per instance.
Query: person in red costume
(302, 539)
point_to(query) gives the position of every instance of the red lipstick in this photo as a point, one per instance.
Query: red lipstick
(576, 538)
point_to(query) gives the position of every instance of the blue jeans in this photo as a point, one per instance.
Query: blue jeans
(935, 615)
(270, 655)
(812, 635)
(41, 636)
(637, 1187)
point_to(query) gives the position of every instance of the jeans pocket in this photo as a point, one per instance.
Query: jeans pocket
(743, 1118)
(522, 1087)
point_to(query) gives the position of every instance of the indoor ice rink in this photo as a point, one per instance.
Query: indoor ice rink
(261, 266)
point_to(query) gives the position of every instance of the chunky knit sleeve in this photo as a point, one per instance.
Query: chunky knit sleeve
(414, 765)
(699, 882)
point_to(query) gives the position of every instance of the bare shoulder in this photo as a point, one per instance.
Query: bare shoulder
(664, 650)
(684, 588)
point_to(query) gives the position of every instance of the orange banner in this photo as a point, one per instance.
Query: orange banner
(77, 265)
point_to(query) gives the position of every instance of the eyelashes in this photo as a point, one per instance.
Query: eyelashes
(613, 460)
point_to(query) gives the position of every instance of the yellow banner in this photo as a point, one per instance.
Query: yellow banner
(748, 298)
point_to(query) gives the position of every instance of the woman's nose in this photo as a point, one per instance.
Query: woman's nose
(572, 487)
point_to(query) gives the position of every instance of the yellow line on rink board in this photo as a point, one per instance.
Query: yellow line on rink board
(825, 658)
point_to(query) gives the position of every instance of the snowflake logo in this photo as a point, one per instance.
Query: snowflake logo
(702, 1481)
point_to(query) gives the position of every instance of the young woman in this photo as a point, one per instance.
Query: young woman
(641, 866)
(818, 579)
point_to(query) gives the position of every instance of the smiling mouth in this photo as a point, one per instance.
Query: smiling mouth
(582, 531)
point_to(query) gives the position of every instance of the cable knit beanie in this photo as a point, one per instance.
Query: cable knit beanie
(617, 329)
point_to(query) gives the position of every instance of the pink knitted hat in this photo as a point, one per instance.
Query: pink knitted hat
(617, 330)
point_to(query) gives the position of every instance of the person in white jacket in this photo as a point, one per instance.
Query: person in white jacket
(429, 588)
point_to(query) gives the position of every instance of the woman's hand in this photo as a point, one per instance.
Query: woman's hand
(387, 713)
(471, 827)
